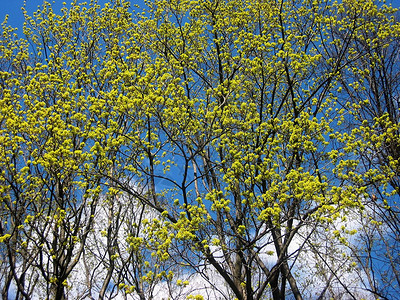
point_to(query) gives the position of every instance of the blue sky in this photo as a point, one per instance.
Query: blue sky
(12, 8)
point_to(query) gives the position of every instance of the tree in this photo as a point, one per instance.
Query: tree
(371, 95)
(210, 132)
(54, 128)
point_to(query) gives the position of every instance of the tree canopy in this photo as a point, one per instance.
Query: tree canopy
(212, 149)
